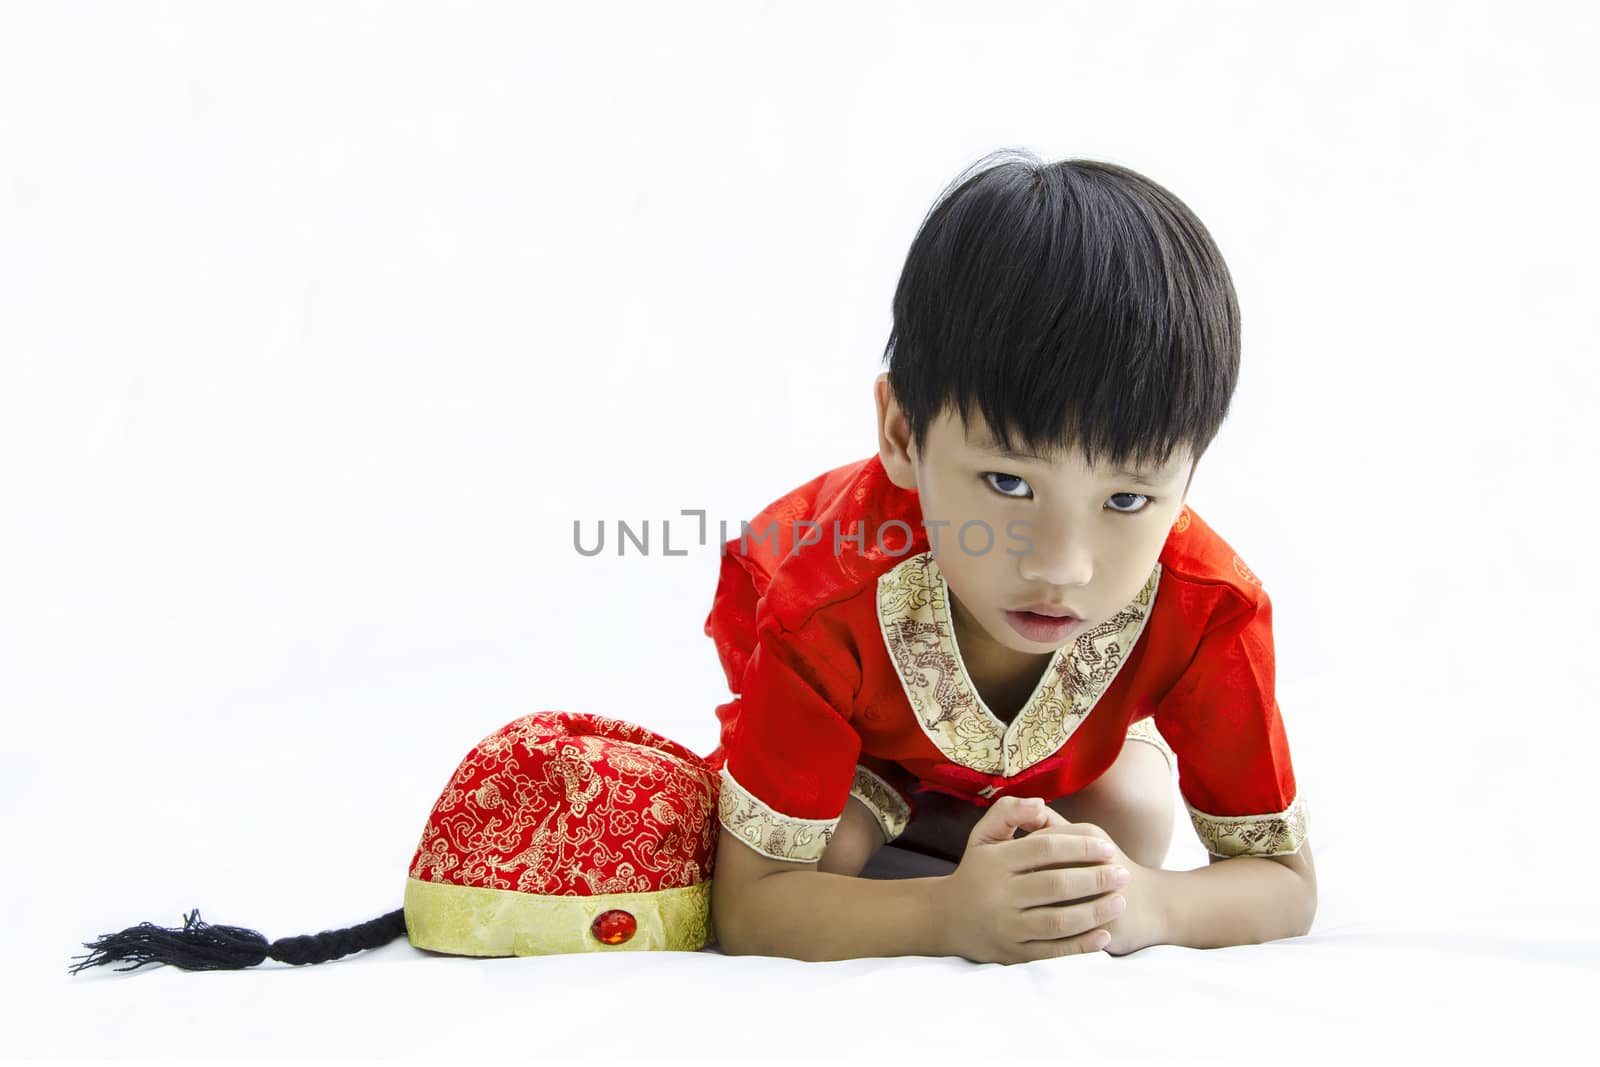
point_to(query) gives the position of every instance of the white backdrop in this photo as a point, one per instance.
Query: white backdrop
(320, 324)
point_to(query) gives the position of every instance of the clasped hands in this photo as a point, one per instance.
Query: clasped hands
(1054, 892)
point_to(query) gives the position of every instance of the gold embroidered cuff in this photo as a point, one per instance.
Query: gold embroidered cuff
(475, 921)
(1145, 730)
(771, 833)
(1252, 835)
(887, 806)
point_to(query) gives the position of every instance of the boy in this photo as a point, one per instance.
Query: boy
(916, 641)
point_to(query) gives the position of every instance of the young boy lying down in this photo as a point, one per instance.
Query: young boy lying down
(950, 642)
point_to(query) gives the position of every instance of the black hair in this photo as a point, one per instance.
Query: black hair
(200, 946)
(1075, 304)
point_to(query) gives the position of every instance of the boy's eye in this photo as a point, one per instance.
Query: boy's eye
(1009, 483)
(1146, 502)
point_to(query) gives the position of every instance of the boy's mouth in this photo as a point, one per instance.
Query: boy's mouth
(1041, 628)
(1050, 611)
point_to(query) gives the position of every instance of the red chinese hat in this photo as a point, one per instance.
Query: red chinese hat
(564, 832)
(560, 832)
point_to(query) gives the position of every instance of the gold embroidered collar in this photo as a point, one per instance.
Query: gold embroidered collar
(914, 615)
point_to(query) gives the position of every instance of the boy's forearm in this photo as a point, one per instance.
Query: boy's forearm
(1246, 900)
(812, 916)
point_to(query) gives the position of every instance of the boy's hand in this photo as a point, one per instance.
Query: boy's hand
(1007, 900)
(1142, 922)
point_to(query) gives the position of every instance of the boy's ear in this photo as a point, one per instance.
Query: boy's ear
(894, 436)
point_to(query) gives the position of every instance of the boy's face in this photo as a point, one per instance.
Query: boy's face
(1042, 532)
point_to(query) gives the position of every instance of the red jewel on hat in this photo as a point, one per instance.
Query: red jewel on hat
(614, 927)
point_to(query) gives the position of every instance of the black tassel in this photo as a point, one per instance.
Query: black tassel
(199, 946)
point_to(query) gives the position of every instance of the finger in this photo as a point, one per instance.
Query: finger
(1005, 817)
(1048, 816)
(1056, 818)
(1090, 941)
(1069, 920)
(1064, 885)
(1054, 850)
(1058, 847)
(1083, 828)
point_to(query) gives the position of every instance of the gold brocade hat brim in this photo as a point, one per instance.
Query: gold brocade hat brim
(473, 921)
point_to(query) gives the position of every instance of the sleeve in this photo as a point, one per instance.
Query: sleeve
(731, 623)
(884, 787)
(1222, 721)
(790, 750)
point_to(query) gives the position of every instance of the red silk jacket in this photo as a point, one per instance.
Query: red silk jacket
(832, 623)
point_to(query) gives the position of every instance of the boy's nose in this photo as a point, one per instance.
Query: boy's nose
(1057, 563)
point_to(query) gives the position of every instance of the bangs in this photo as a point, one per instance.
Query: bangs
(1074, 305)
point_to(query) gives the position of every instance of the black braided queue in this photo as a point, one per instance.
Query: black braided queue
(199, 946)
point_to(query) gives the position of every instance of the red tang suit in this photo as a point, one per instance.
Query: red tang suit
(832, 623)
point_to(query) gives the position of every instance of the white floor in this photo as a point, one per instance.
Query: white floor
(1479, 968)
